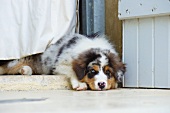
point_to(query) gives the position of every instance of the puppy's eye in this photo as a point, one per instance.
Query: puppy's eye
(107, 72)
(92, 71)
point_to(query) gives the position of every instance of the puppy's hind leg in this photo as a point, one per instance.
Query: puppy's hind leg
(25, 70)
(20, 68)
(2, 70)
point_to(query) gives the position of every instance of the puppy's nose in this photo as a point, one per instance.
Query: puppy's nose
(101, 85)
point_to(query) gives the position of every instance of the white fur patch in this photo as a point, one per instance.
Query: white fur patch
(100, 77)
(103, 60)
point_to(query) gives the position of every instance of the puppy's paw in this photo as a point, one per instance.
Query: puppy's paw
(25, 70)
(77, 85)
(74, 84)
(82, 87)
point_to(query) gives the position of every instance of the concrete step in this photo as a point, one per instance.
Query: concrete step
(34, 82)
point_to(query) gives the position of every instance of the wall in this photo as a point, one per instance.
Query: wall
(113, 25)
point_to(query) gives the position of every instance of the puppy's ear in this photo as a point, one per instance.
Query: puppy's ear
(80, 64)
(79, 68)
(118, 66)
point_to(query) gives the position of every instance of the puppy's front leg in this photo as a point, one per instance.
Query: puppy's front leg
(77, 85)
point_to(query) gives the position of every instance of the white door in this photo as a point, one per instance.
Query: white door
(146, 42)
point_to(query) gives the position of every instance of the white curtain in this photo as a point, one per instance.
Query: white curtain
(28, 26)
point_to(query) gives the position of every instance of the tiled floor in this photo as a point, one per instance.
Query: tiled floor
(68, 101)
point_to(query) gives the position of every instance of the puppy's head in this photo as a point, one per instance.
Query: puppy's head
(100, 69)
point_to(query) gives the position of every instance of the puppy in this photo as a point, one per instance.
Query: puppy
(90, 62)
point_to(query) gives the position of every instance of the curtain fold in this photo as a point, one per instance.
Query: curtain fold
(28, 26)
